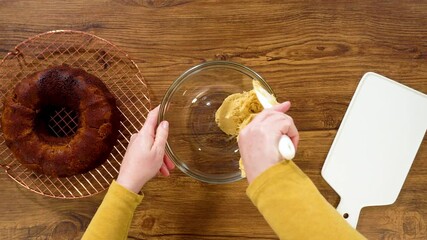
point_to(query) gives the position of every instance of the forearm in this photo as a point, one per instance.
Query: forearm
(114, 215)
(294, 208)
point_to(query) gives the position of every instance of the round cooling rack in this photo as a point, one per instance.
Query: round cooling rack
(98, 57)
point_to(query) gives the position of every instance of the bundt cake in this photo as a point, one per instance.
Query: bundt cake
(25, 119)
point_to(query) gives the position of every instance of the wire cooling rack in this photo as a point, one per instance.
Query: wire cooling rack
(98, 57)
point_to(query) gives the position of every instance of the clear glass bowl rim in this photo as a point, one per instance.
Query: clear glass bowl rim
(171, 90)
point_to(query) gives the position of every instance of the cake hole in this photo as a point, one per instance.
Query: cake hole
(57, 121)
(63, 122)
(345, 215)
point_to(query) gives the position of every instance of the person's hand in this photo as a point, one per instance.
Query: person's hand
(145, 154)
(259, 140)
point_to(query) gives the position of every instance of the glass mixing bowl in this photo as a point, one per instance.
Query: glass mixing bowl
(196, 144)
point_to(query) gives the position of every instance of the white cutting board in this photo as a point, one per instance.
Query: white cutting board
(375, 145)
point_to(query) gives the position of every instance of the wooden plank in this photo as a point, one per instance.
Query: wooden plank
(182, 208)
(312, 54)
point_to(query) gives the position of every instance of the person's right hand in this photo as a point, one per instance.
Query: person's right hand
(259, 140)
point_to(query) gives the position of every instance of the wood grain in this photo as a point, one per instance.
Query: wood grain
(312, 53)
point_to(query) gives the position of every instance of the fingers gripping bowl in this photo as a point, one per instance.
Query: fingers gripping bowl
(196, 144)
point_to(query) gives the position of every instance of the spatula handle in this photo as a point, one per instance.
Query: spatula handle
(286, 148)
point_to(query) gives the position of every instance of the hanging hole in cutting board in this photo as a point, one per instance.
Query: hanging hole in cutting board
(345, 215)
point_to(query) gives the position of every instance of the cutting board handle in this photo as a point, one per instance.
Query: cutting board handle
(349, 211)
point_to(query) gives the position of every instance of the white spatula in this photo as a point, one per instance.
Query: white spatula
(286, 147)
(375, 145)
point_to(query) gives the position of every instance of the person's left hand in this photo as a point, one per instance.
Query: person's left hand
(145, 154)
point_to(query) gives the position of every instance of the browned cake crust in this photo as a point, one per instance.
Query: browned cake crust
(24, 126)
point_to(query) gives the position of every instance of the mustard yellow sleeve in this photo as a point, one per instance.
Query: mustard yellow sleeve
(112, 219)
(294, 208)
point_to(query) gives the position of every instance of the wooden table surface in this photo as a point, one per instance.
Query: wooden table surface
(313, 54)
